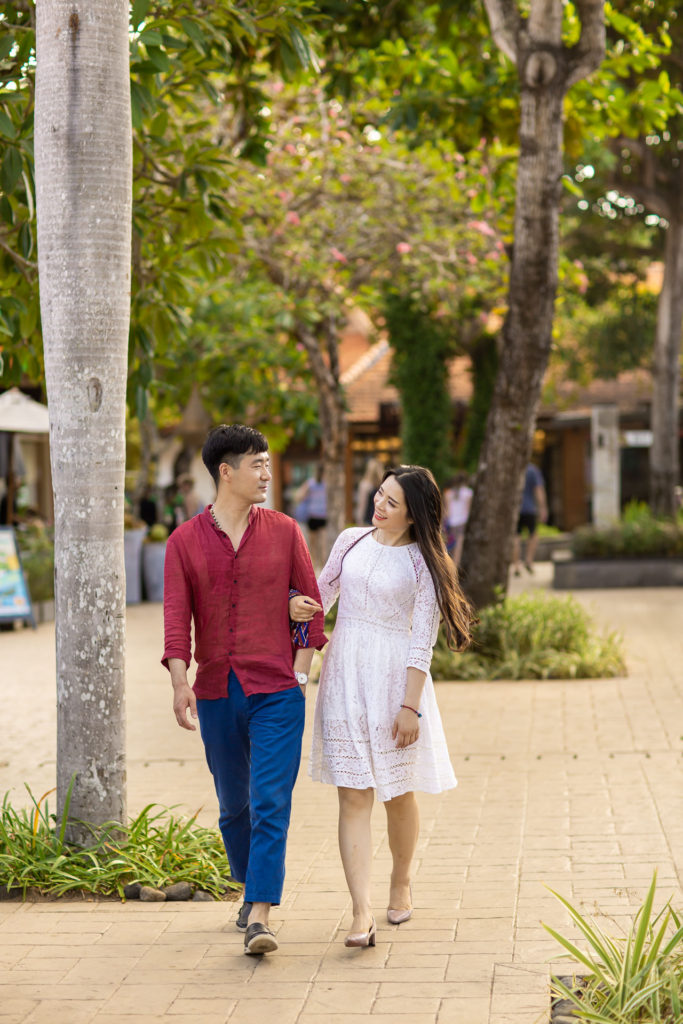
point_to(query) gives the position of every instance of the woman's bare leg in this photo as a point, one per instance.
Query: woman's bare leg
(355, 846)
(403, 826)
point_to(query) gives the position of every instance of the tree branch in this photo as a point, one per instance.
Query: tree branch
(589, 52)
(505, 24)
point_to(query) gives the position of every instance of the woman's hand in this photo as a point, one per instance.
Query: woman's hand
(405, 729)
(302, 608)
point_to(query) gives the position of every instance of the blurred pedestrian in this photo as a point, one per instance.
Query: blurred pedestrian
(534, 507)
(366, 490)
(457, 497)
(313, 495)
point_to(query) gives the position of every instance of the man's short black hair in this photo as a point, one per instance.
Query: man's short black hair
(228, 443)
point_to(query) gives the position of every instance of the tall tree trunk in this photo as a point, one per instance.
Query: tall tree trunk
(334, 426)
(664, 457)
(546, 70)
(83, 185)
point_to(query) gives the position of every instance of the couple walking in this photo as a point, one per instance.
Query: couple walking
(244, 575)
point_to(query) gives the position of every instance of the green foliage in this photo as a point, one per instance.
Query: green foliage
(632, 979)
(531, 636)
(196, 91)
(421, 346)
(484, 367)
(155, 849)
(37, 551)
(639, 534)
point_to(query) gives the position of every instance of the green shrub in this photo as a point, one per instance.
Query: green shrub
(632, 979)
(637, 535)
(532, 636)
(155, 849)
(37, 551)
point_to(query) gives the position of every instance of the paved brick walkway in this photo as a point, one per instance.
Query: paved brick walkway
(573, 785)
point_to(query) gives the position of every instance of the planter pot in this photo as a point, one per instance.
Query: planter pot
(598, 573)
(132, 552)
(44, 611)
(153, 555)
(547, 546)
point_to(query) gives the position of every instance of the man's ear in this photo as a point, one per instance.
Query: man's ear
(225, 471)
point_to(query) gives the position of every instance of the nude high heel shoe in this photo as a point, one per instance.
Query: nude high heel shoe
(399, 916)
(362, 939)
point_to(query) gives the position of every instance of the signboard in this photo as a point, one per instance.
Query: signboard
(15, 602)
(636, 439)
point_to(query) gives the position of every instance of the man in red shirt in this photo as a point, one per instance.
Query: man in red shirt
(231, 568)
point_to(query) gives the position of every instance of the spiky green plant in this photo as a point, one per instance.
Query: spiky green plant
(155, 848)
(631, 979)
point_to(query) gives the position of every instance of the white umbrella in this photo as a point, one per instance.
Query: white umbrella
(19, 414)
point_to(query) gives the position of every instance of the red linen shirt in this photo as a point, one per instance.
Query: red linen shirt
(239, 601)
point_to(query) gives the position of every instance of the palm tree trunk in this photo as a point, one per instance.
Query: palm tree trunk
(83, 185)
(664, 455)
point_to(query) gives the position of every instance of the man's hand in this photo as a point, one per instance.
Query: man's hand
(405, 729)
(184, 698)
(302, 608)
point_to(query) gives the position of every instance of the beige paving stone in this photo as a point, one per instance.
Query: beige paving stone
(411, 1017)
(11, 955)
(198, 1009)
(337, 997)
(104, 970)
(459, 1011)
(14, 1005)
(53, 1011)
(47, 990)
(141, 999)
(256, 1011)
(406, 1007)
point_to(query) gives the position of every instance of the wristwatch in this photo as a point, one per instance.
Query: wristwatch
(301, 678)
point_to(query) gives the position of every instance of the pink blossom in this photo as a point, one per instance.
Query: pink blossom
(292, 217)
(345, 179)
(290, 148)
(277, 87)
(337, 255)
(285, 196)
(403, 248)
(482, 227)
(471, 259)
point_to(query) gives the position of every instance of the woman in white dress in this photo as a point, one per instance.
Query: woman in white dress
(377, 728)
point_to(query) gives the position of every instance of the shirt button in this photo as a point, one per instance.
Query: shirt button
(234, 581)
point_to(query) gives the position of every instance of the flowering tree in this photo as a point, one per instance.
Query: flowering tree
(340, 210)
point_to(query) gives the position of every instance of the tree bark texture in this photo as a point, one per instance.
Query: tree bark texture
(83, 162)
(664, 455)
(545, 67)
(334, 428)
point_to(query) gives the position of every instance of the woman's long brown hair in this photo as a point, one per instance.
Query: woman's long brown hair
(425, 508)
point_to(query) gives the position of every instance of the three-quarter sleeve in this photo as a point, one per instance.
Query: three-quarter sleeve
(303, 579)
(177, 606)
(426, 617)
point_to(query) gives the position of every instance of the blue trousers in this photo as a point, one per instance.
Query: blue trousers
(253, 749)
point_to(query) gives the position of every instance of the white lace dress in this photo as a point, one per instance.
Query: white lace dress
(387, 620)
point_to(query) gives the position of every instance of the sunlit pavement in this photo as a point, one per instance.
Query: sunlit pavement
(576, 786)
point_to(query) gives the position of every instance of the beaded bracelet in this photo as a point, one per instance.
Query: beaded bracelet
(408, 708)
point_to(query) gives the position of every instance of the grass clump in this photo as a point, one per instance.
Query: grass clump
(155, 848)
(635, 978)
(531, 636)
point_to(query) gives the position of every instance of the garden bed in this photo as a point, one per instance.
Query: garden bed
(571, 573)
